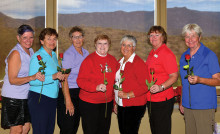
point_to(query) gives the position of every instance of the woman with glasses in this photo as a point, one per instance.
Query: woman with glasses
(15, 113)
(68, 115)
(96, 79)
(199, 92)
(162, 67)
(130, 76)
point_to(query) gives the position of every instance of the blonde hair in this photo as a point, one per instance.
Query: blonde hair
(192, 27)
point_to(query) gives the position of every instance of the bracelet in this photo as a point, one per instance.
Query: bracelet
(128, 96)
(163, 88)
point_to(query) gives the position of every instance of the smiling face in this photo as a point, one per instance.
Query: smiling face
(77, 39)
(156, 39)
(192, 40)
(102, 47)
(26, 40)
(49, 43)
(127, 48)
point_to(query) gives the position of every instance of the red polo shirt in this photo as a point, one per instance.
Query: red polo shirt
(164, 63)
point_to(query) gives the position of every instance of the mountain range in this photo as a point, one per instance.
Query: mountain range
(133, 21)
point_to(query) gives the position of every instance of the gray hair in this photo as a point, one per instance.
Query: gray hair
(192, 27)
(129, 38)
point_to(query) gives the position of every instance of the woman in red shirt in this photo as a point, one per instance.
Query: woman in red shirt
(96, 78)
(131, 104)
(161, 96)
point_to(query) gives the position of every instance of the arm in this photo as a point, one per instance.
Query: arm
(85, 78)
(214, 81)
(214, 69)
(34, 66)
(167, 84)
(170, 67)
(181, 106)
(14, 65)
(66, 94)
(126, 95)
(141, 74)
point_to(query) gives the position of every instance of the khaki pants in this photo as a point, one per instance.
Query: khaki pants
(199, 121)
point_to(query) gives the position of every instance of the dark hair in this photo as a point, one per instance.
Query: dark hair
(24, 28)
(156, 29)
(47, 31)
(102, 37)
(76, 29)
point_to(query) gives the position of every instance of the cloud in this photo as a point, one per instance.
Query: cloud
(71, 3)
(69, 6)
(24, 9)
(200, 5)
(137, 1)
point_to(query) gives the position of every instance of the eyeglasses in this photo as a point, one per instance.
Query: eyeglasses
(77, 37)
(154, 35)
(191, 37)
(129, 46)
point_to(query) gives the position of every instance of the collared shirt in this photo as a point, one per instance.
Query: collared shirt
(17, 91)
(164, 63)
(50, 86)
(205, 64)
(118, 77)
(72, 59)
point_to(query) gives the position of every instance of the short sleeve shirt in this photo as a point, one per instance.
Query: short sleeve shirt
(205, 64)
(164, 63)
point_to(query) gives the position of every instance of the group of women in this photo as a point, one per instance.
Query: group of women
(99, 84)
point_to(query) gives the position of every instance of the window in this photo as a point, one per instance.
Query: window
(12, 15)
(114, 18)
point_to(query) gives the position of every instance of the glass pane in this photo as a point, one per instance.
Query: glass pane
(114, 18)
(204, 13)
(14, 13)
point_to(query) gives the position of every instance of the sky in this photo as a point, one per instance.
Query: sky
(26, 9)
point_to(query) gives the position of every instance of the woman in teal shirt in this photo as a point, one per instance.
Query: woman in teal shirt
(42, 102)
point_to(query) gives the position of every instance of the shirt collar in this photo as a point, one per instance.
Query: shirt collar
(199, 51)
(45, 52)
(100, 54)
(75, 51)
(20, 47)
(157, 50)
(131, 59)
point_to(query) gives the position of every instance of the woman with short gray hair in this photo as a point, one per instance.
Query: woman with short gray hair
(131, 100)
(199, 91)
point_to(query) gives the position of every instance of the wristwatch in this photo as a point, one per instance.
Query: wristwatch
(163, 88)
(128, 96)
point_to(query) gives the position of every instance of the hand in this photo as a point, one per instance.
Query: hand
(193, 79)
(122, 94)
(39, 76)
(59, 76)
(101, 87)
(116, 109)
(70, 108)
(181, 109)
(155, 89)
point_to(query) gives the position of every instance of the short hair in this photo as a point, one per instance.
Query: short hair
(188, 28)
(129, 38)
(76, 29)
(102, 37)
(156, 29)
(24, 28)
(47, 31)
